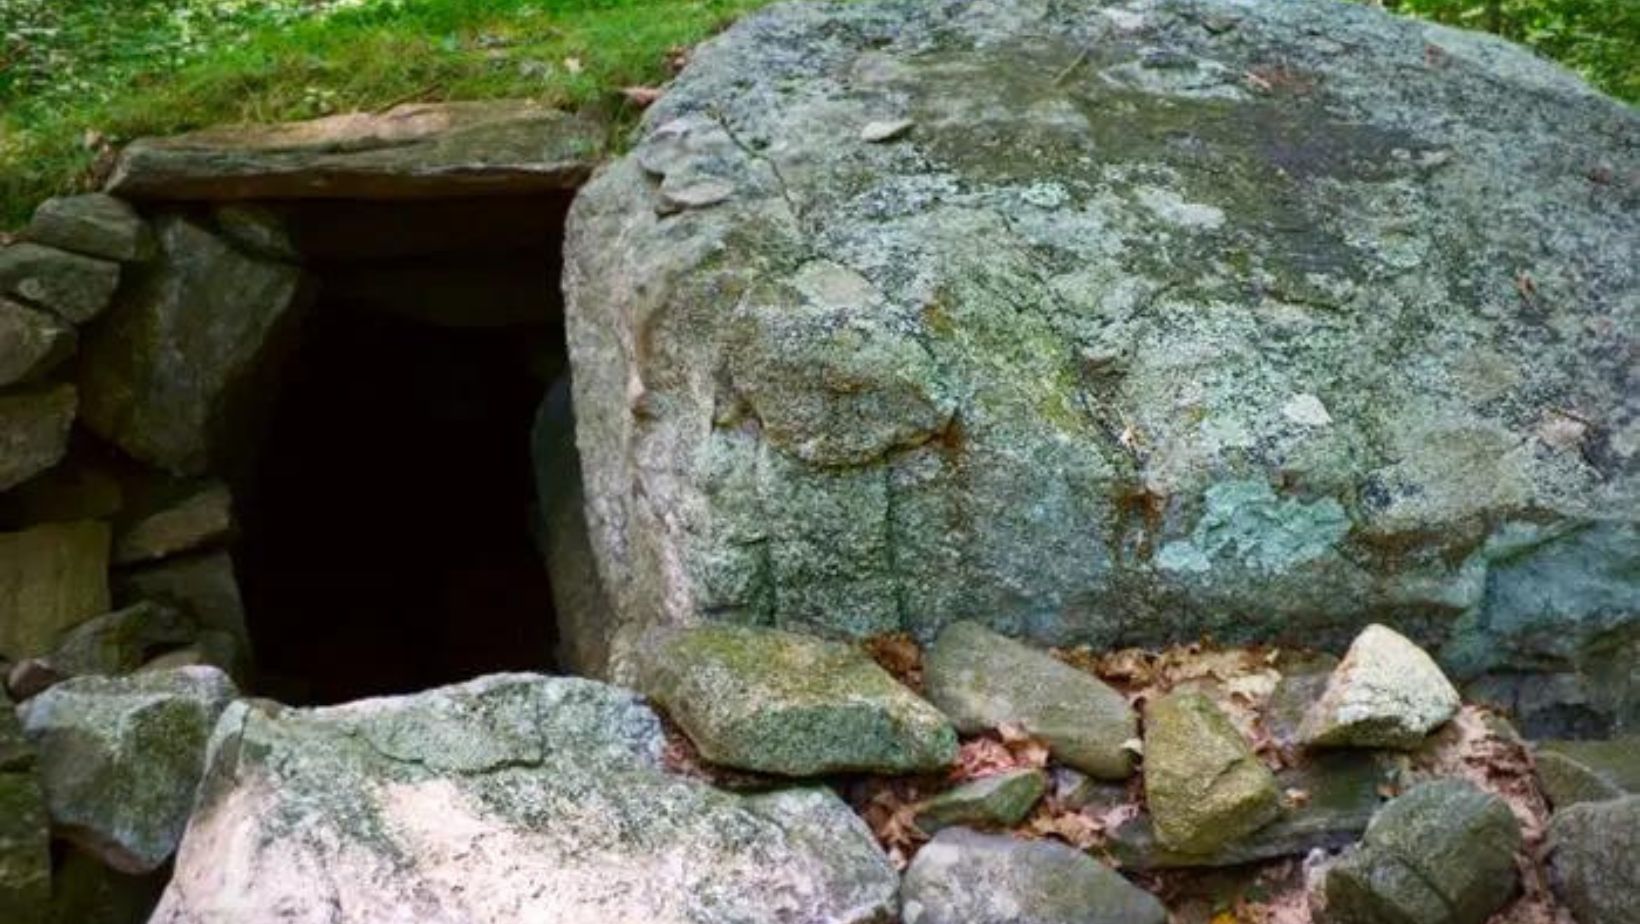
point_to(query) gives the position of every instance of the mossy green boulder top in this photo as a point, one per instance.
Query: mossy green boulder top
(1116, 324)
(1204, 784)
(778, 702)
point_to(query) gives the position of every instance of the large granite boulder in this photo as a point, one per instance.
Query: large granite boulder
(507, 798)
(1156, 319)
(964, 877)
(52, 578)
(93, 225)
(179, 358)
(778, 702)
(1594, 860)
(121, 758)
(74, 287)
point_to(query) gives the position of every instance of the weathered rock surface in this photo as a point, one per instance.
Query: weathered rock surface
(508, 798)
(1594, 860)
(964, 877)
(411, 151)
(121, 758)
(122, 641)
(1588, 771)
(1386, 693)
(202, 587)
(34, 432)
(84, 891)
(200, 517)
(778, 702)
(1119, 355)
(31, 342)
(94, 225)
(1441, 853)
(25, 841)
(983, 680)
(989, 802)
(73, 287)
(1203, 783)
(1340, 794)
(52, 578)
(180, 354)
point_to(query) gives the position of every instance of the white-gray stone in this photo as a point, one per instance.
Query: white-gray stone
(1387, 692)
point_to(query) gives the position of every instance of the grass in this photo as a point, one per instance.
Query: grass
(79, 76)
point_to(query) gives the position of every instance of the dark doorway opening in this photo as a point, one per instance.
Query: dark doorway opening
(387, 514)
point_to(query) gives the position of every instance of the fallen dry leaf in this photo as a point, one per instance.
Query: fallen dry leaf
(899, 654)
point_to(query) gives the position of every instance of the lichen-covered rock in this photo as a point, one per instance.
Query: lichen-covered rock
(95, 225)
(964, 877)
(31, 342)
(413, 151)
(778, 702)
(983, 680)
(165, 376)
(1113, 343)
(34, 432)
(508, 798)
(1386, 693)
(195, 518)
(122, 641)
(1203, 783)
(1594, 860)
(121, 758)
(1340, 792)
(1588, 771)
(1441, 853)
(25, 840)
(988, 802)
(52, 578)
(201, 586)
(74, 287)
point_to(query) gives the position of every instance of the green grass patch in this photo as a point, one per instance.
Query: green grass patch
(79, 76)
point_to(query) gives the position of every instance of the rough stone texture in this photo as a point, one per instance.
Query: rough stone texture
(1594, 860)
(1204, 785)
(964, 877)
(52, 578)
(1386, 693)
(1341, 794)
(25, 854)
(411, 151)
(1063, 357)
(34, 432)
(1588, 771)
(31, 342)
(201, 586)
(1441, 853)
(122, 641)
(508, 798)
(73, 287)
(121, 758)
(989, 802)
(778, 702)
(983, 680)
(177, 361)
(95, 225)
(200, 517)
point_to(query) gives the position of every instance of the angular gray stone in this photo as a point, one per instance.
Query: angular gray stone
(779, 702)
(964, 877)
(413, 151)
(31, 342)
(52, 577)
(122, 641)
(1441, 853)
(1063, 358)
(1203, 784)
(1588, 771)
(1386, 693)
(167, 375)
(34, 430)
(1594, 860)
(75, 288)
(121, 758)
(507, 798)
(25, 840)
(201, 586)
(199, 517)
(1340, 795)
(988, 802)
(983, 680)
(95, 225)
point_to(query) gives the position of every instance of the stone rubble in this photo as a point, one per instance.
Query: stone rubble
(1387, 692)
